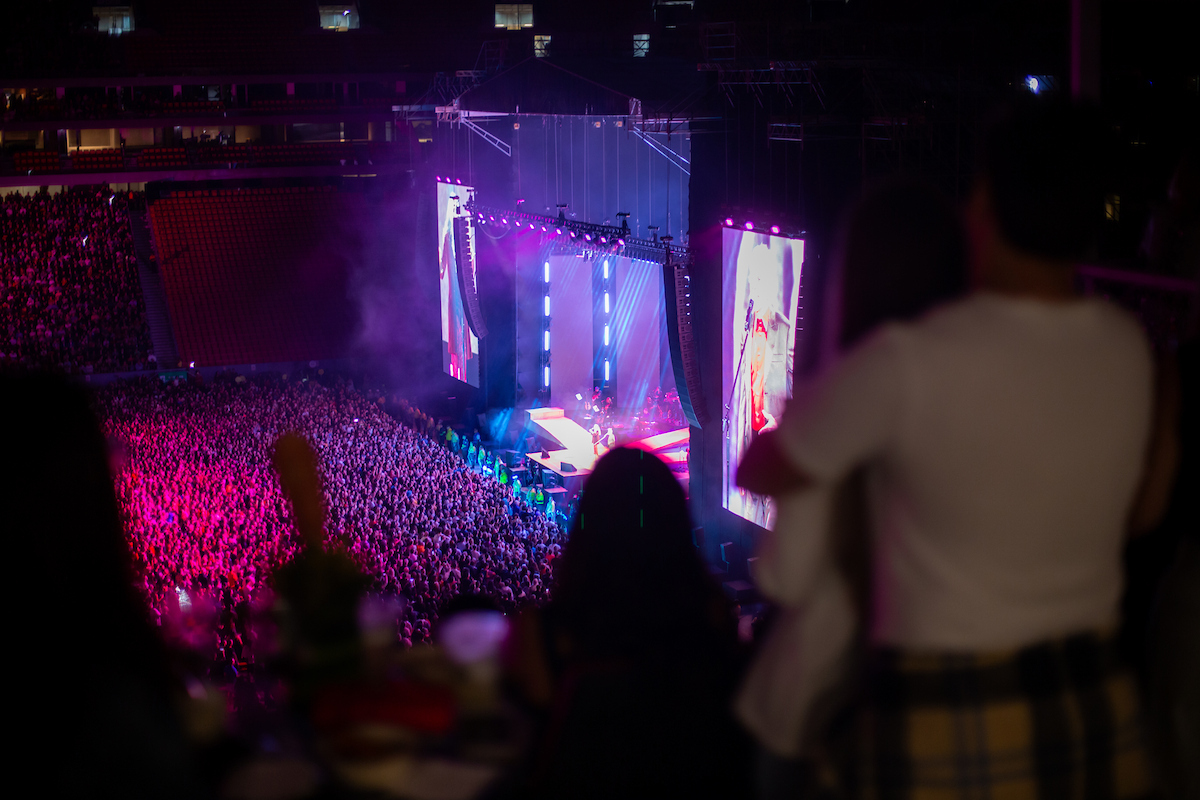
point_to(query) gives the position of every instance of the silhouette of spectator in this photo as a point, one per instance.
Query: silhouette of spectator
(637, 652)
(902, 252)
(95, 707)
(1006, 437)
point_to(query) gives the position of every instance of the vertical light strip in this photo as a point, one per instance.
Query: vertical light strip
(606, 304)
(547, 304)
(606, 334)
(606, 372)
(546, 376)
(547, 271)
(546, 341)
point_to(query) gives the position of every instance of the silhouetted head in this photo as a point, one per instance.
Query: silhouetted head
(904, 252)
(631, 581)
(1043, 170)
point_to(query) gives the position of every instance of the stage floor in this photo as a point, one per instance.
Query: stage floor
(575, 445)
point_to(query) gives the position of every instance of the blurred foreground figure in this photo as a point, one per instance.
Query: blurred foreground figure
(96, 714)
(902, 252)
(1006, 438)
(319, 590)
(635, 658)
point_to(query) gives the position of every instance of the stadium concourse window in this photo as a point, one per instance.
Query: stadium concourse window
(514, 16)
(541, 45)
(113, 20)
(338, 16)
(641, 45)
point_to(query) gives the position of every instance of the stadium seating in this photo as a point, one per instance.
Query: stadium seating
(91, 160)
(256, 275)
(37, 161)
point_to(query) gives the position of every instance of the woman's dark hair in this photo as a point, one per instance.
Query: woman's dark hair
(903, 252)
(631, 583)
(1043, 163)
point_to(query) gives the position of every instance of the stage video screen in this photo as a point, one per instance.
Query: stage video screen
(760, 298)
(460, 347)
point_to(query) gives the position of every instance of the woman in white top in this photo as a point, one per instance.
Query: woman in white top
(1005, 437)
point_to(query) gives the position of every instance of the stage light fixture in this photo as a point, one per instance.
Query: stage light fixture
(1033, 84)
(546, 377)
(729, 221)
(775, 229)
(749, 225)
(606, 334)
(558, 231)
(606, 303)
(606, 372)
(546, 267)
(547, 304)
(546, 341)
(606, 269)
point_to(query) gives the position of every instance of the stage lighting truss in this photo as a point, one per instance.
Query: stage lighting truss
(583, 237)
(775, 229)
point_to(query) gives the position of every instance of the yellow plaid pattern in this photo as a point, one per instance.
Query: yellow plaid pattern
(1058, 720)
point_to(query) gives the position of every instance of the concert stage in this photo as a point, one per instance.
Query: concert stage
(569, 443)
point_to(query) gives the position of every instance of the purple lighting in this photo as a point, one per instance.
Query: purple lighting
(775, 229)
(749, 226)
(729, 221)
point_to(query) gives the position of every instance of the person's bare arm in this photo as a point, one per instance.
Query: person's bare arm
(764, 469)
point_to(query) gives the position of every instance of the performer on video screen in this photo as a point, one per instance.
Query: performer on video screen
(458, 337)
(761, 388)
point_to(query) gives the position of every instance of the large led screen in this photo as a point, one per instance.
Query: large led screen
(760, 298)
(460, 347)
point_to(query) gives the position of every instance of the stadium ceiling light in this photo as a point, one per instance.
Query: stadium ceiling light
(749, 225)
(775, 229)
(729, 221)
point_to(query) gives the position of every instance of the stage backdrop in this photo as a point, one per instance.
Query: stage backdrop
(570, 329)
(638, 335)
(760, 297)
(460, 347)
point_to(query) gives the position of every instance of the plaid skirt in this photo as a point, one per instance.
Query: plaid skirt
(1060, 719)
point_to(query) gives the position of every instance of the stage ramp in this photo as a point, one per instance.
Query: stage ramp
(574, 447)
(553, 424)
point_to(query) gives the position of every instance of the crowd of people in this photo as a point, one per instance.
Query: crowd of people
(205, 515)
(71, 300)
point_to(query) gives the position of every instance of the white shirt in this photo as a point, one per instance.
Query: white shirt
(1006, 438)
